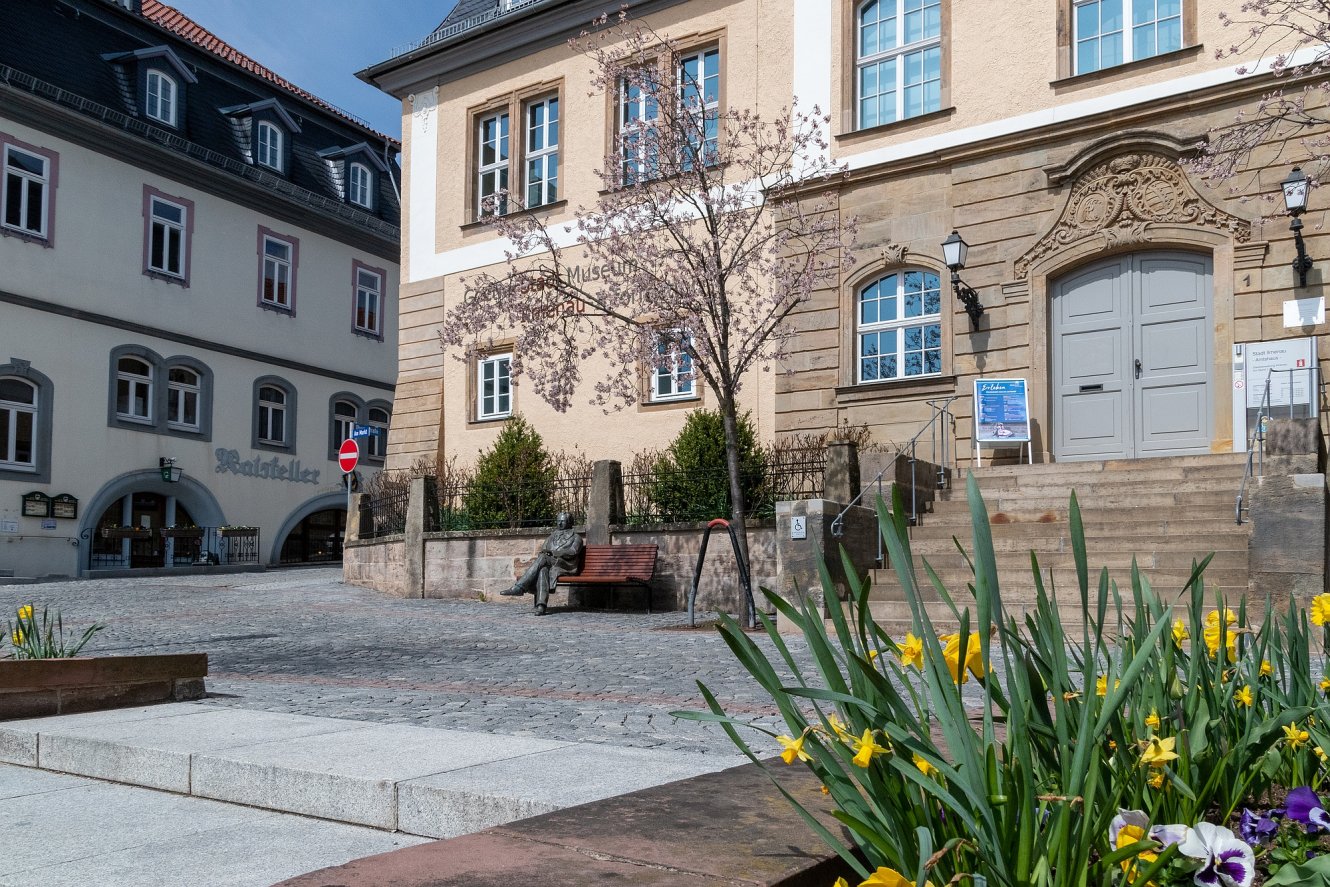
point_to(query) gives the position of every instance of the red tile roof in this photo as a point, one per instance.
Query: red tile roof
(181, 25)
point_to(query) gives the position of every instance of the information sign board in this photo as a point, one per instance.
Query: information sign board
(36, 504)
(1001, 411)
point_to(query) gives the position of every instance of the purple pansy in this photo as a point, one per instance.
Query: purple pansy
(1226, 861)
(1256, 830)
(1305, 807)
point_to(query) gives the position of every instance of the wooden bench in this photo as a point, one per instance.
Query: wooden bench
(616, 565)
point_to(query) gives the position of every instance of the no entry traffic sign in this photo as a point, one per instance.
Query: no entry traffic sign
(348, 456)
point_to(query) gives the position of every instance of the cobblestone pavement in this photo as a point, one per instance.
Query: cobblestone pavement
(301, 641)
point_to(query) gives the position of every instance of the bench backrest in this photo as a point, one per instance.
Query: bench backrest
(620, 560)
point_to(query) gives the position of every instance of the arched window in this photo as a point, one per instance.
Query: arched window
(899, 327)
(269, 146)
(19, 405)
(182, 401)
(359, 181)
(272, 415)
(133, 389)
(344, 420)
(898, 60)
(161, 97)
(377, 443)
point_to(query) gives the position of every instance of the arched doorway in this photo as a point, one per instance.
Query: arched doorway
(1132, 340)
(129, 520)
(317, 539)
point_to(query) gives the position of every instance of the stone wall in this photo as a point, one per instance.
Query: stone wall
(377, 563)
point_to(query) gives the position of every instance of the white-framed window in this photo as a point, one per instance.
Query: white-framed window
(899, 327)
(369, 301)
(898, 58)
(494, 392)
(542, 152)
(639, 141)
(272, 415)
(27, 190)
(269, 147)
(1114, 32)
(376, 445)
(672, 376)
(161, 97)
(699, 100)
(167, 227)
(18, 424)
(277, 262)
(492, 165)
(183, 387)
(133, 389)
(359, 185)
(344, 420)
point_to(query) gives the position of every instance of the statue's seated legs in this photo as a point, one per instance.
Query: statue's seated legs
(537, 580)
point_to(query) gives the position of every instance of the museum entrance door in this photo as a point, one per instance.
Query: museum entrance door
(1132, 343)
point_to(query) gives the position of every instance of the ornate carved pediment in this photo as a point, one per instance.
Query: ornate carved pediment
(894, 254)
(1121, 198)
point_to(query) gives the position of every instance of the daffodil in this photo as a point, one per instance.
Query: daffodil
(924, 767)
(1243, 696)
(1212, 618)
(885, 877)
(839, 728)
(25, 611)
(17, 637)
(1180, 632)
(1157, 752)
(1296, 737)
(1101, 685)
(911, 652)
(1157, 780)
(865, 747)
(1212, 635)
(1321, 609)
(1325, 685)
(794, 748)
(1266, 668)
(1152, 719)
(1320, 754)
(974, 657)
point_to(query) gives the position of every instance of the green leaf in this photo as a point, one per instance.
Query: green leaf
(1312, 873)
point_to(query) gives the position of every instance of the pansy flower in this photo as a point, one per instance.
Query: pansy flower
(1256, 830)
(1226, 860)
(1305, 807)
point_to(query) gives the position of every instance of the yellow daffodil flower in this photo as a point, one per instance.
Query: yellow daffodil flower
(1070, 696)
(17, 637)
(1157, 781)
(1321, 609)
(974, 657)
(1212, 618)
(1296, 737)
(1320, 754)
(885, 877)
(794, 748)
(924, 767)
(1157, 752)
(825, 790)
(1266, 668)
(25, 611)
(1325, 685)
(1244, 696)
(865, 747)
(911, 652)
(1101, 685)
(841, 882)
(1152, 720)
(1212, 641)
(1180, 632)
(838, 727)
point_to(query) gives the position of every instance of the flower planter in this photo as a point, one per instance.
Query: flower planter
(238, 533)
(38, 687)
(124, 533)
(182, 533)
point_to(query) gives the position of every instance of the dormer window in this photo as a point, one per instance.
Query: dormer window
(161, 97)
(269, 146)
(358, 189)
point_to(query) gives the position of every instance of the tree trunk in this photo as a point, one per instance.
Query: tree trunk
(738, 506)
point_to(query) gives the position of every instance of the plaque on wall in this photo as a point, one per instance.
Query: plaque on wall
(36, 504)
(65, 506)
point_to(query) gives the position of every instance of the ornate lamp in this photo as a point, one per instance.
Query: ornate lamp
(170, 473)
(1295, 200)
(954, 250)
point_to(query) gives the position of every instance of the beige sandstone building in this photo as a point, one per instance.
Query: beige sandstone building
(1051, 134)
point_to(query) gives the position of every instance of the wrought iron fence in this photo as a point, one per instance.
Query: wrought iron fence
(475, 505)
(387, 512)
(119, 548)
(665, 494)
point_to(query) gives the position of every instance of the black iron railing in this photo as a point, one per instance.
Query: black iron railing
(120, 548)
(664, 493)
(477, 505)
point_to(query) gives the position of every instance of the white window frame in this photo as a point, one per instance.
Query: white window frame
(707, 108)
(272, 416)
(899, 325)
(14, 411)
(539, 160)
(499, 368)
(1126, 32)
(637, 120)
(178, 395)
(344, 422)
(269, 151)
(24, 180)
(278, 271)
(169, 231)
(496, 171)
(901, 54)
(359, 182)
(376, 445)
(160, 96)
(364, 296)
(675, 362)
(134, 384)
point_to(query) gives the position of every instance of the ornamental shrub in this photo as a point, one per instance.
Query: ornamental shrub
(689, 479)
(514, 481)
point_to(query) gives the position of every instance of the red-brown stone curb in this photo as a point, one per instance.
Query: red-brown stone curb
(31, 688)
(733, 827)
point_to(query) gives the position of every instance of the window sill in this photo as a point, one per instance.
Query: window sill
(488, 221)
(647, 405)
(136, 422)
(277, 309)
(366, 334)
(273, 446)
(900, 389)
(1127, 69)
(489, 420)
(166, 277)
(854, 136)
(26, 236)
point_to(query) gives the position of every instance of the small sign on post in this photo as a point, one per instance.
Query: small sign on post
(348, 456)
(1001, 414)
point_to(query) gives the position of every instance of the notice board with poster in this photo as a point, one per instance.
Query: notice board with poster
(1001, 415)
(1279, 378)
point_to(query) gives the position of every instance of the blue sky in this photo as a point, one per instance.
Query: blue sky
(320, 44)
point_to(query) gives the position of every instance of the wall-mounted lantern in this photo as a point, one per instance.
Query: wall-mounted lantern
(954, 250)
(1295, 200)
(170, 473)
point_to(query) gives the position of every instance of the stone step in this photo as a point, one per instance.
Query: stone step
(1096, 534)
(1019, 561)
(1087, 491)
(1018, 501)
(1040, 474)
(1176, 463)
(1019, 587)
(958, 514)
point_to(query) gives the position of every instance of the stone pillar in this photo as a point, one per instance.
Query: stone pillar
(840, 479)
(1287, 552)
(356, 518)
(420, 510)
(797, 576)
(605, 503)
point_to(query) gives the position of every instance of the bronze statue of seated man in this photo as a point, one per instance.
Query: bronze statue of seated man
(559, 555)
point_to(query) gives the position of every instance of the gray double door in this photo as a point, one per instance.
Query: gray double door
(1132, 342)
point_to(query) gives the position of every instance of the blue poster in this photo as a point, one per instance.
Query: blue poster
(1001, 411)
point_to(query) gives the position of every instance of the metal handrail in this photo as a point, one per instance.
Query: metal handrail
(940, 435)
(1255, 466)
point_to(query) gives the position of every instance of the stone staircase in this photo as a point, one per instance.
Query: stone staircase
(1165, 512)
